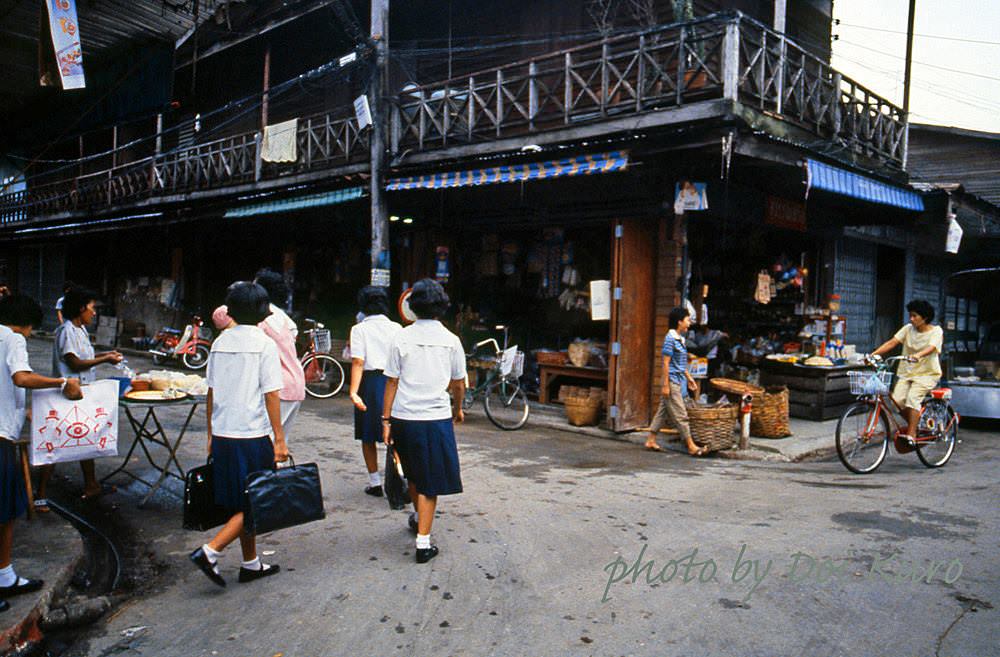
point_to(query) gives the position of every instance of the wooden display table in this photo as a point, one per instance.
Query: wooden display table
(814, 393)
(547, 374)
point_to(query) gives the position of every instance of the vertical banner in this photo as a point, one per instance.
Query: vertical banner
(66, 42)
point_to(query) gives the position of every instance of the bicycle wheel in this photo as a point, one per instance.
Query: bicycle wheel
(939, 421)
(506, 405)
(198, 359)
(862, 440)
(324, 376)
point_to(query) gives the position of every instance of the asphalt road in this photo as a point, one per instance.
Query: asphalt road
(564, 544)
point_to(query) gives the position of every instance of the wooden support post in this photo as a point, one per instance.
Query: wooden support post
(532, 94)
(266, 89)
(731, 62)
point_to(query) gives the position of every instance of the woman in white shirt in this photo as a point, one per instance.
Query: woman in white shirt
(244, 411)
(426, 363)
(73, 357)
(370, 341)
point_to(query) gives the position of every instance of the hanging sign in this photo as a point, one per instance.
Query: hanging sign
(66, 42)
(954, 239)
(690, 196)
(362, 111)
(785, 213)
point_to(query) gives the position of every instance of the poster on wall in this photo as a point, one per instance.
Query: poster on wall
(442, 272)
(66, 42)
(690, 196)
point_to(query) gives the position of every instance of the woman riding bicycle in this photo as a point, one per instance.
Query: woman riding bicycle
(921, 370)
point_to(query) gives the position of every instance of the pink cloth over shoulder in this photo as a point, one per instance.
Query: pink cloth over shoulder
(280, 328)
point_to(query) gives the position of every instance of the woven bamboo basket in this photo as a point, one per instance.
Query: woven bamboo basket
(734, 388)
(579, 353)
(769, 415)
(583, 411)
(713, 426)
(550, 357)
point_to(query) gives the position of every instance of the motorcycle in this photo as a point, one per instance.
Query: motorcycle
(192, 345)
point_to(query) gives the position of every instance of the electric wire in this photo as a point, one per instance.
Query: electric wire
(918, 34)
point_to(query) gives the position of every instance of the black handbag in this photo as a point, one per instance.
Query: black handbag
(397, 491)
(283, 497)
(200, 510)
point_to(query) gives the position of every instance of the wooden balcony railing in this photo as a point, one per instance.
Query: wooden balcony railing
(723, 56)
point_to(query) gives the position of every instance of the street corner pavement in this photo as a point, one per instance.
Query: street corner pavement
(47, 547)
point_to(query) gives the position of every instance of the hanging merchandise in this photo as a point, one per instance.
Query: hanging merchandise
(442, 271)
(762, 294)
(570, 277)
(553, 238)
(508, 258)
(954, 240)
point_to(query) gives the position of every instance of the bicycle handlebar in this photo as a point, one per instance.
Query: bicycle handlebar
(496, 345)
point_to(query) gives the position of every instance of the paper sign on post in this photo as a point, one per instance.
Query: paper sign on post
(63, 430)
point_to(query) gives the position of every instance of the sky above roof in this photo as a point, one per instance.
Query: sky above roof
(956, 55)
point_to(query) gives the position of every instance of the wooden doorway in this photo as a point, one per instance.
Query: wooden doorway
(633, 271)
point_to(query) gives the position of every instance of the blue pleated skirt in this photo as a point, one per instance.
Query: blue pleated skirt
(232, 460)
(368, 425)
(13, 496)
(429, 455)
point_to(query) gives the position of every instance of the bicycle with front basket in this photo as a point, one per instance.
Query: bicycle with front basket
(866, 427)
(324, 375)
(504, 400)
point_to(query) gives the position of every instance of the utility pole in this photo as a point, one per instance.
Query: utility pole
(381, 263)
(906, 81)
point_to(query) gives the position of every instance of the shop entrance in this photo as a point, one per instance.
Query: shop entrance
(889, 281)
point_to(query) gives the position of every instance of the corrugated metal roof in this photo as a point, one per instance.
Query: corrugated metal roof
(942, 156)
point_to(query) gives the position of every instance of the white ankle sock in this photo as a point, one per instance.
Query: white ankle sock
(374, 478)
(7, 576)
(253, 565)
(423, 541)
(210, 553)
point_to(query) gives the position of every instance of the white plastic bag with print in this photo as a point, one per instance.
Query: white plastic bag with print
(64, 430)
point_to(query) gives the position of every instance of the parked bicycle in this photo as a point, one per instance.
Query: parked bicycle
(324, 375)
(866, 427)
(504, 400)
(192, 345)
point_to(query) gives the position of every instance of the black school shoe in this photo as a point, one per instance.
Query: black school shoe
(426, 554)
(374, 491)
(4, 606)
(247, 575)
(28, 586)
(200, 559)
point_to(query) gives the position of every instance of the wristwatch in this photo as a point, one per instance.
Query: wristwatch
(386, 420)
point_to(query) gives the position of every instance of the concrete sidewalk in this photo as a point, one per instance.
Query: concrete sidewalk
(49, 548)
(809, 440)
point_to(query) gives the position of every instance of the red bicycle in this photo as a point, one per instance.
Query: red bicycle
(864, 430)
(192, 345)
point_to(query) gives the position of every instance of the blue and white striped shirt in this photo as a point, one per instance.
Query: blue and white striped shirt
(674, 347)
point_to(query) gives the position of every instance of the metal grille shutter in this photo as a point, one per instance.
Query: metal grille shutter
(854, 281)
(927, 277)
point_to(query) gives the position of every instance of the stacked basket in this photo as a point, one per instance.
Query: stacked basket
(769, 414)
(713, 427)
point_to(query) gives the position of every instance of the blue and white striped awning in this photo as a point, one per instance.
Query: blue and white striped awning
(839, 181)
(571, 166)
(298, 202)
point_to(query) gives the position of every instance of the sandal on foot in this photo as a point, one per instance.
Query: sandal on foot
(654, 448)
(701, 451)
(105, 490)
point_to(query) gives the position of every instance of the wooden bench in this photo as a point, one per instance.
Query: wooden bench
(547, 374)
